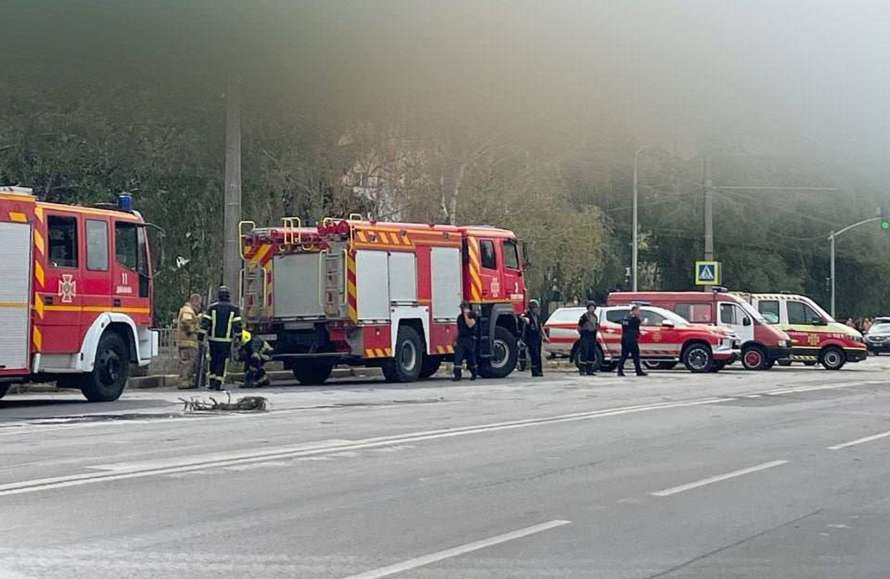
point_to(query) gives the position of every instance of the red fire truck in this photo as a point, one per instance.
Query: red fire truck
(370, 293)
(75, 302)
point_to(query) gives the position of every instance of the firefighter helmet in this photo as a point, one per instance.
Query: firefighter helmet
(533, 303)
(223, 294)
(245, 336)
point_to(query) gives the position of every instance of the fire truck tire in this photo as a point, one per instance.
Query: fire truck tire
(4, 388)
(407, 360)
(506, 355)
(653, 365)
(754, 358)
(111, 370)
(698, 358)
(313, 372)
(430, 366)
(832, 358)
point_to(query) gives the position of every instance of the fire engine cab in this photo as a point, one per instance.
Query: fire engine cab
(370, 293)
(75, 302)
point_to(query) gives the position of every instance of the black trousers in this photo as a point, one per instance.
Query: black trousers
(465, 351)
(255, 372)
(534, 354)
(630, 350)
(219, 353)
(587, 351)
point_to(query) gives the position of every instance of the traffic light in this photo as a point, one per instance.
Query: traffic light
(885, 218)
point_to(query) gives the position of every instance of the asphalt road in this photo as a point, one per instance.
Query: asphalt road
(772, 474)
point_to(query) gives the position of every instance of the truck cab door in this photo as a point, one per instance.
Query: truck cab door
(61, 295)
(512, 275)
(492, 284)
(131, 279)
(95, 279)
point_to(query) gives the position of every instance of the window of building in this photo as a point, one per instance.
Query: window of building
(97, 245)
(801, 313)
(126, 244)
(769, 309)
(511, 254)
(488, 256)
(62, 241)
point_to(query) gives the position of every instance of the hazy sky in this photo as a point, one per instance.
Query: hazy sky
(804, 77)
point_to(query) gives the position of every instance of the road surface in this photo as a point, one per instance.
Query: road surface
(741, 474)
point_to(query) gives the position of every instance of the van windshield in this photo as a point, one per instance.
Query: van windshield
(752, 312)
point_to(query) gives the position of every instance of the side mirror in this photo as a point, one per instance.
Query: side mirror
(746, 321)
(667, 324)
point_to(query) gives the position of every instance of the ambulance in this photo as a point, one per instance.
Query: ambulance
(815, 336)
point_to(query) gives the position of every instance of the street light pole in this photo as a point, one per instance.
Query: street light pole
(831, 238)
(636, 234)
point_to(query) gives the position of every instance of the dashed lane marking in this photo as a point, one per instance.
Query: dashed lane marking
(720, 477)
(859, 441)
(457, 551)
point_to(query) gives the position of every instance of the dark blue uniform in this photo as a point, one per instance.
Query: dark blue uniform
(465, 348)
(533, 336)
(630, 344)
(219, 325)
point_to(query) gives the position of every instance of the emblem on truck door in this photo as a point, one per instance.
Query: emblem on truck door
(67, 288)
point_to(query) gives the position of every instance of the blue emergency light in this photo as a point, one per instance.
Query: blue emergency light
(125, 202)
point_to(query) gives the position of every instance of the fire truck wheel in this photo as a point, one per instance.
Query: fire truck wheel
(406, 363)
(698, 358)
(504, 356)
(110, 370)
(430, 366)
(832, 358)
(4, 388)
(313, 372)
(754, 358)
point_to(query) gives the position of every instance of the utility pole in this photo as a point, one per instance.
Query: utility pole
(709, 209)
(231, 249)
(636, 227)
(831, 238)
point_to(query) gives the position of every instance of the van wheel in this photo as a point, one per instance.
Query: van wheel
(832, 358)
(653, 365)
(430, 366)
(754, 358)
(111, 370)
(4, 388)
(504, 355)
(698, 358)
(407, 360)
(313, 372)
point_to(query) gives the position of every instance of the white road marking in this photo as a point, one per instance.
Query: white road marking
(201, 463)
(860, 441)
(823, 387)
(718, 478)
(457, 551)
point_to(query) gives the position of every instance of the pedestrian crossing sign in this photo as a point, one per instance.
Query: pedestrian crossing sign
(707, 273)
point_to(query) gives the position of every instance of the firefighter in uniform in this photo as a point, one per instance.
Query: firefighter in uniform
(587, 328)
(254, 352)
(465, 348)
(630, 341)
(533, 336)
(187, 323)
(219, 325)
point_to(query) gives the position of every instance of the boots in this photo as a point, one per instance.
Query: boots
(457, 374)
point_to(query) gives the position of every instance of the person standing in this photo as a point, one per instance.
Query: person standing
(630, 341)
(219, 325)
(587, 328)
(465, 348)
(533, 336)
(187, 324)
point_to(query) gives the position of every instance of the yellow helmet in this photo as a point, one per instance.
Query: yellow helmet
(245, 336)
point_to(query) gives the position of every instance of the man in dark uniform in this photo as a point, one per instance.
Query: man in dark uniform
(219, 325)
(254, 352)
(533, 336)
(465, 348)
(630, 340)
(587, 328)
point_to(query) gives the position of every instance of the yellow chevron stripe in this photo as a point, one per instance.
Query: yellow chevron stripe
(38, 305)
(388, 352)
(37, 338)
(38, 274)
(39, 243)
(38, 213)
(18, 217)
(261, 253)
